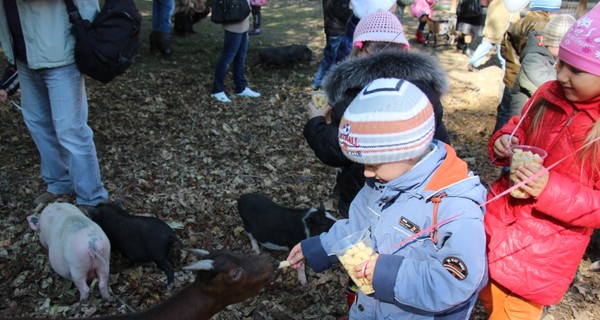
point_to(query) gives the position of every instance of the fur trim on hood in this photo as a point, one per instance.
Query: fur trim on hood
(353, 74)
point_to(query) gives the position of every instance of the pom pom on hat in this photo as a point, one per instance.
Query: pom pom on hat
(390, 120)
(361, 8)
(545, 5)
(382, 26)
(556, 28)
(580, 46)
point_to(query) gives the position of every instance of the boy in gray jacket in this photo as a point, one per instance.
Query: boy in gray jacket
(421, 205)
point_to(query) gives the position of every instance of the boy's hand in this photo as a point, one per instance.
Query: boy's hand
(502, 145)
(535, 186)
(365, 270)
(3, 95)
(314, 111)
(296, 258)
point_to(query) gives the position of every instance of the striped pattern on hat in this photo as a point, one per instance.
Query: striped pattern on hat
(390, 120)
(556, 28)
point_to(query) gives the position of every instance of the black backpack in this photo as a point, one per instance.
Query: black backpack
(107, 46)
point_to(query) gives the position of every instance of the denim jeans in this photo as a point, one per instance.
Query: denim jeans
(235, 47)
(161, 15)
(55, 111)
(482, 50)
(336, 49)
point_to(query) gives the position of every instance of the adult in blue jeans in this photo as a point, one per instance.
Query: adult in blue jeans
(53, 96)
(235, 48)
(160, 37)
(338, 46)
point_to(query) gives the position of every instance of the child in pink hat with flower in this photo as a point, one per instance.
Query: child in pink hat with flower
(535, 244)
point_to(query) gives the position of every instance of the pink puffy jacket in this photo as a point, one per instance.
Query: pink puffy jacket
(421, 7)
(536, 245)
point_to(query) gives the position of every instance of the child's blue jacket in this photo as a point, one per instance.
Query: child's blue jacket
(418, 279)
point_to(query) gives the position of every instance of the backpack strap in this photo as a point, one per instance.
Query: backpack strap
(72, 11)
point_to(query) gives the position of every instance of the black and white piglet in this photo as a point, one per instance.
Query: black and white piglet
(277, 227)
(138, 238)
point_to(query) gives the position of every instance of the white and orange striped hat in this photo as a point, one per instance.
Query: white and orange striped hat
(390, 120)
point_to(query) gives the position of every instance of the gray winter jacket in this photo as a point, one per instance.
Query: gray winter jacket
(537, 67)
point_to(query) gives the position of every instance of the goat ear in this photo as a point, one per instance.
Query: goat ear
(198, 252)
(201, 265)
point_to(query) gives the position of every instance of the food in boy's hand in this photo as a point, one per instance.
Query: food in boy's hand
(520, 157)
(319, 98)
(358, 254)
(283, 264)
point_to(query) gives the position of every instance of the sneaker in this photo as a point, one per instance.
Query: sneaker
(221, 97)
(472, 68)
(248, 93)
(45, 198)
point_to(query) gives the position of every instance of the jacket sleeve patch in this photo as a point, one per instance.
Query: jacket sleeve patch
(456, 267)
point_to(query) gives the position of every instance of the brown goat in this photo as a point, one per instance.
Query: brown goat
(223, 278)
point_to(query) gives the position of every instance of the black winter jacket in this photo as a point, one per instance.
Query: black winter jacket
(344, 81)
(335, 15)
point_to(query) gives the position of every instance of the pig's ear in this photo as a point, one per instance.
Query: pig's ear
(34, 222)
(119, 203)
(92, 211)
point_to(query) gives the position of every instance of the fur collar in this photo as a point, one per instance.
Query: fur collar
(345, 79)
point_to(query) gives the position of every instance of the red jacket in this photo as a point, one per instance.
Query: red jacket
(536, 245)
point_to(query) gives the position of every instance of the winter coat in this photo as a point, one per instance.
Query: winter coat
(516, 38)
(46, 31)
(417, 278)
(422, 7)
(344, 81)
(537, 67)
(497, 21)
(535, 245)
(335, 15)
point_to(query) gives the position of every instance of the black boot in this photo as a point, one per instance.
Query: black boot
(154, 38)
(255, 21)
(164, 44)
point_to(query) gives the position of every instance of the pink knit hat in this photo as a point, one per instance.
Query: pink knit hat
(382, 26)
(389, 120)
(580, 46)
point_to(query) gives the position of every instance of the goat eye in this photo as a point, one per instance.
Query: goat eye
(237, 274)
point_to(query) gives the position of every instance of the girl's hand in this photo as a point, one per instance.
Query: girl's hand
(314, 111)
(502, 146)
(296, 258)
(365, 270)
(535, 186)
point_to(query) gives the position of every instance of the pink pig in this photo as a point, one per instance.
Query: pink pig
(78, 249)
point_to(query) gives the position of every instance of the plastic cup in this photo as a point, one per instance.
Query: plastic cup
(520, 155)
(353, 250)
(319, 98)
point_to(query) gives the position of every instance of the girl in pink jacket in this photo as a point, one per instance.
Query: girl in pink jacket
(422, 10)
(535, 244)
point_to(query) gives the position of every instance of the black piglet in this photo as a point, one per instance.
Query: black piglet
(138, 238)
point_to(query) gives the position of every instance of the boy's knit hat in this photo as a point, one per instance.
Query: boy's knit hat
(390, 120)
(556, 28)
(580, 46)
(545, 5)
(361, 8)
(382, 26)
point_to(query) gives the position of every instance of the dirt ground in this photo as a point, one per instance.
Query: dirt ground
(170, 151)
